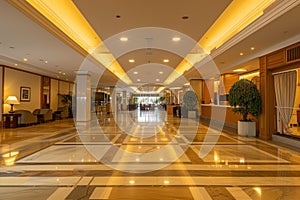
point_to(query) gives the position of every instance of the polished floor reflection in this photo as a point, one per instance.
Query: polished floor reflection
(143, 155)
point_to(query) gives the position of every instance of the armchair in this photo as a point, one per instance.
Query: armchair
(27, 118)
(43, 115)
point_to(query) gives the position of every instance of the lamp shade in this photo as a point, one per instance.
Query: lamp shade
(12, 100)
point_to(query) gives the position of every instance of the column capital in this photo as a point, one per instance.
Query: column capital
(82, 72)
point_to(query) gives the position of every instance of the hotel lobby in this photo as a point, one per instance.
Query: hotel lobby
(131, 100)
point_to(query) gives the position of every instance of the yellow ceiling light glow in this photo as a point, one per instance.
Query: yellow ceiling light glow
(187, 63)
(230, 22)
(237, 16)
(66, 16)
(239, 70)
(160, 89)
(135, 89)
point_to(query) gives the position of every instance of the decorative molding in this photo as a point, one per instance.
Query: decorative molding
(272, 13)
(33, 14)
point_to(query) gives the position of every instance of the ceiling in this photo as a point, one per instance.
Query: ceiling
(22, 36)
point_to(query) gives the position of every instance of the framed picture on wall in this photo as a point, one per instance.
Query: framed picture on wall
(25, 93)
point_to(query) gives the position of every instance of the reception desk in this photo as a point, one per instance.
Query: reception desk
(221, 113)
(170, 108)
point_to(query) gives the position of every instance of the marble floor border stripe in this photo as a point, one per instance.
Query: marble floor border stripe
(60, 193)
(173, 173)
(101, 193)
(199, 193)
(196, 181)
(199, 167)
(238, 193)
(45, 181)
(153, 181)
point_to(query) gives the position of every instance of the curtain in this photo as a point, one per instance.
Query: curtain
(285, 90)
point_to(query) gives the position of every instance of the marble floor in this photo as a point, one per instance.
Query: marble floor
(143, 155)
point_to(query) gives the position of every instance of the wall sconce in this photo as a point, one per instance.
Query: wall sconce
(11, 100)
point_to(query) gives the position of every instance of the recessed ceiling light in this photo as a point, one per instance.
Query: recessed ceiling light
(46, 61)
(252, 48)
(25, 59)
(135, 72)
(131, 61)
(241, 54)
(64, 73)
(16, 64)
(160, 72)
(157, 80)
(176, 39)
(240, 70)
(138, 80)
(124, 39)
(59, 72)
(166, 60)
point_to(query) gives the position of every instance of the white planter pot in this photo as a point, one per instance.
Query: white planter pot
(192, 114)
(247, 128)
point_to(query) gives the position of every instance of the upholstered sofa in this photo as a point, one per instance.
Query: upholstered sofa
(43, 115)
(27, 118)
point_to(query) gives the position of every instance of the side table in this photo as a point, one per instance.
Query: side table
(11, 120)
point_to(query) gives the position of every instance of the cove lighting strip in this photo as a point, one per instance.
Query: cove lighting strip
(66, 16)
(238, 15)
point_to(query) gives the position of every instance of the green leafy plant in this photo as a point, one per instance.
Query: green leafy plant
(190, 100)
(66, 100)
(245, 99)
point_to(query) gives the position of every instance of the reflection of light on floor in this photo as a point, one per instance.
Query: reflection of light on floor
(131, 182)
(10, 158)
(258, 190)
(166, 182)
(216, 157)
(164, 139)
(133, 139)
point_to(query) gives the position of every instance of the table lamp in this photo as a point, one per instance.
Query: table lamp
(11, 100)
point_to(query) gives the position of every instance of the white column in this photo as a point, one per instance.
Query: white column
(113, 101)
(124, 100)
(83, 96)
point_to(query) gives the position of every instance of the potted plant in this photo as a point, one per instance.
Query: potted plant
(245, 99)
(66, 100)
(190, 101)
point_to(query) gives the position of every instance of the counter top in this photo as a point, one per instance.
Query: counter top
(214, 105)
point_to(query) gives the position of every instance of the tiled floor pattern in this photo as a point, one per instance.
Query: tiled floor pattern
(171, 158)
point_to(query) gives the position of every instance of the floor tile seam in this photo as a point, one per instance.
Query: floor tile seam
(211, 175)
(36, 139)
(269, 143)
(174, 165)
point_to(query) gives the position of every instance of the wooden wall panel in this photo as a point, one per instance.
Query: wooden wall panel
(229, 81)
(276, 59)
(205, 95)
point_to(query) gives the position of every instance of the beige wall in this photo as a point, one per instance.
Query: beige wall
(1, 86)
(54, 94)
(13, 80)
(63, 87)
